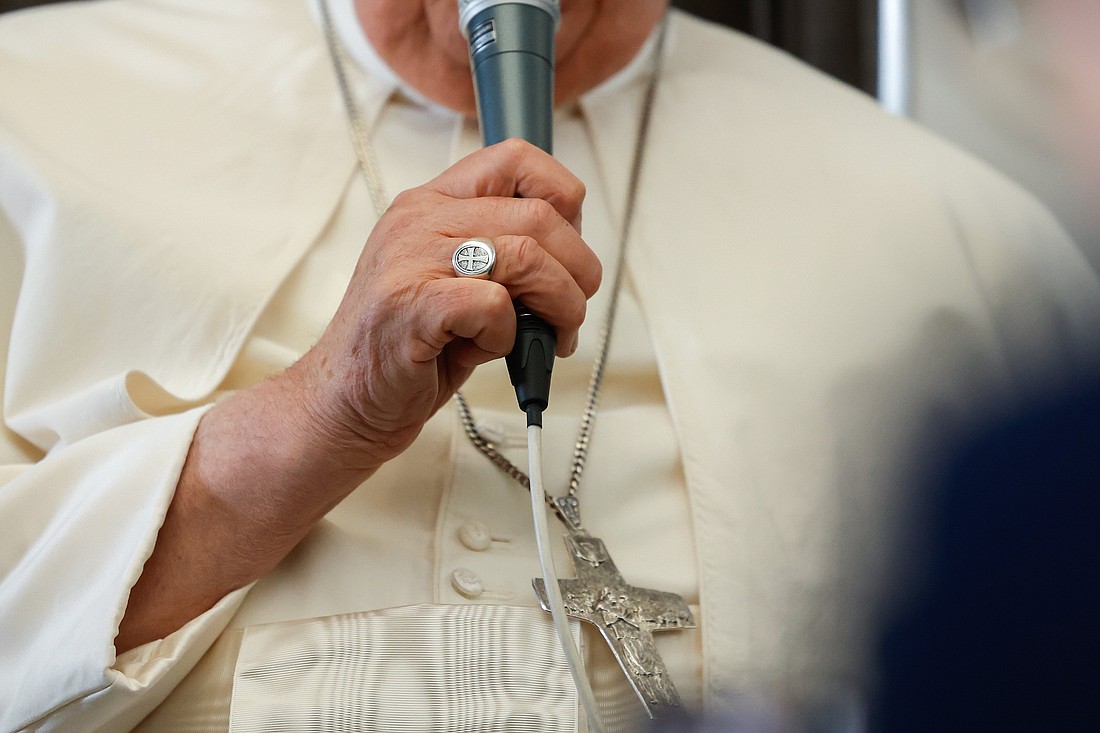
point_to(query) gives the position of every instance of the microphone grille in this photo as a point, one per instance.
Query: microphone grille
(467, 9)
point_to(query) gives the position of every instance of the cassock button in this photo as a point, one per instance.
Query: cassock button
(466, 583)
(475, 536)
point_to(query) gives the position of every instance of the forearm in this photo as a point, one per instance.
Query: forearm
(257, 477)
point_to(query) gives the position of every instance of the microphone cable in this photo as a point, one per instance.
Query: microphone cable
(550, 578)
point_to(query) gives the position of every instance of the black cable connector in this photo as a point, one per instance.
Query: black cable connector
(531, 362)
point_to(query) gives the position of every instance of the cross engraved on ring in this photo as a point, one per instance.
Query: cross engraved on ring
(474, 258)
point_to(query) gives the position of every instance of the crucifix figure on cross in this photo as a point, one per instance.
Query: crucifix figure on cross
(627, 617)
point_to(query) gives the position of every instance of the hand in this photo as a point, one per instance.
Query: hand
(267, 463)
(409, 332)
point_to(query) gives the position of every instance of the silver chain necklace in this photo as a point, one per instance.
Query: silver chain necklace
(567, 506)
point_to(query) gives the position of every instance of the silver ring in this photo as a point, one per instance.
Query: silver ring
(474, 258)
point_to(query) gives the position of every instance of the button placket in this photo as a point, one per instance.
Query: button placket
(481, 492)
(486, 548)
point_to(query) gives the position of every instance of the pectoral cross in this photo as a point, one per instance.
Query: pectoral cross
(627, 616)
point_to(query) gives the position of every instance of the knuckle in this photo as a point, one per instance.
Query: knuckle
(575, 190)
(516, 147)
(572, 317)
(590, 278)
(541, 213)
(527, 257)
(398, 218)
(497, 301)
(405, 199)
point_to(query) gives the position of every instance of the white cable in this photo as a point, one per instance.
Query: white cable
(550, 578)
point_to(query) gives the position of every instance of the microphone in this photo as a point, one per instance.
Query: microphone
(511, 44)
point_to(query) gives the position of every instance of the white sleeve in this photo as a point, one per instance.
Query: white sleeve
(75, 531)
(76, 527)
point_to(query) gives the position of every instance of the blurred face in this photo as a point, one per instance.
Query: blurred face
(421, 41)
(1074, 28)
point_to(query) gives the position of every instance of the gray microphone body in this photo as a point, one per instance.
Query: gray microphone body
(511, 45)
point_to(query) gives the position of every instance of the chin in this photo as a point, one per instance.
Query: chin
(456, 98)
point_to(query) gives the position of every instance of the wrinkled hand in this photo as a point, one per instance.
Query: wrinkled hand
(267, 463)
(409, 332)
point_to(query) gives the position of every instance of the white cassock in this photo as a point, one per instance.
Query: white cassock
(813, 288)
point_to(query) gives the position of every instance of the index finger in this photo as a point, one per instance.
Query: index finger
(514, 168)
